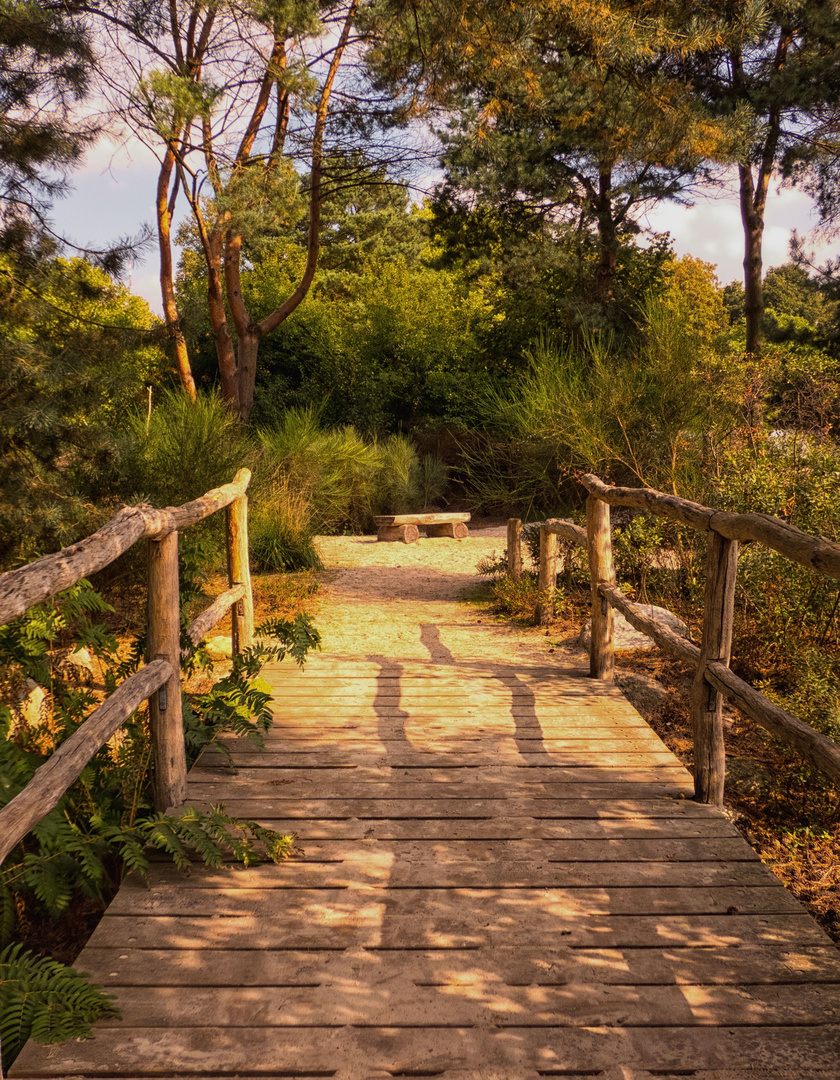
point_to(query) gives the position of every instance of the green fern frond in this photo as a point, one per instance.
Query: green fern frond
(45, 1000)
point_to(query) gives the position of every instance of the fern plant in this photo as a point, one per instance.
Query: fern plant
(238, 704)
(45, 1000)
(105, 822)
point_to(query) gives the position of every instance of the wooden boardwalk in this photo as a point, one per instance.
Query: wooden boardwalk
(503, 879)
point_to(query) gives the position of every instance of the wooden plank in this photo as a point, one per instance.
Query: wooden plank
(256, 965)
(728, 849)
(570, 813)
(379, 764)
(407, 1005)
(404, 1051)
(364, 905)
(419, 519)
(360, 928)
(470, 827)
(206, 786)
(465, 774)
(393, 718)
(378, 870)
(296, 744)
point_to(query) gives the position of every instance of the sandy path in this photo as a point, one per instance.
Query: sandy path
(411, 601)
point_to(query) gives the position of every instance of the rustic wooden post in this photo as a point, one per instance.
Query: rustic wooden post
(599, 544)
(514, 548)
(706, 702)
(165, 715)
(548, 576)
(239, 573)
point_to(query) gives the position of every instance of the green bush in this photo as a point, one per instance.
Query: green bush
(397, 488)
(311, 480)
(281, 531)
(181, 449)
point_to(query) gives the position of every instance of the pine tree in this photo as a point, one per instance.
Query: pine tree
(45, 67)
(571, 107)
(776, 66)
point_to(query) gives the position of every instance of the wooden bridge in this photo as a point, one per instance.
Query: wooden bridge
(504, 876)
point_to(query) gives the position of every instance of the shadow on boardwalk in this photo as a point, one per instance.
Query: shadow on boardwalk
(503, 878)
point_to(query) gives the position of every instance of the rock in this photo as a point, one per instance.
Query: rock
(643, 692)
(219, 647)
(32, 707)
(627, 637)
(80, 661)
(81, 658)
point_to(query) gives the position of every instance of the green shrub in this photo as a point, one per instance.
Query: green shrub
(434, 479)
(332, 472)
(312, 480)
(182, 449)
(398, 477)
(518, 599)
(281, 529)
(179, 451)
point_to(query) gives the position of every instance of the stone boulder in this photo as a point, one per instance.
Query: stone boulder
(33, 707)
(219, 647)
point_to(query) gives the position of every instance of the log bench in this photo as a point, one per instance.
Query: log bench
(406, 527)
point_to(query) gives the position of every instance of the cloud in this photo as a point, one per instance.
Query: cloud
(711, 229)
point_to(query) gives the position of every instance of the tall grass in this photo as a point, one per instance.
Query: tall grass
(313, 480)
(182, 449)
(307, 479)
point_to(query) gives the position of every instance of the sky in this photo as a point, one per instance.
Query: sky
(113, 195)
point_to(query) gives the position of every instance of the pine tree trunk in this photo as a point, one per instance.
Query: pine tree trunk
(246, 371)
(607, 240)
(225, 352)
(753, 222)
(167, 276)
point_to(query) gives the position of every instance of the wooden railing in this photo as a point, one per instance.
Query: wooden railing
(714, 680)
(159, 681)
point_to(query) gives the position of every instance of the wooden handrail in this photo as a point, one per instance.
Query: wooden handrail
(159, 681)
(567, 529)
(44, 791)
(815, 552)
(663, 635)
(32, 584)
(202, 624)
(714, 679)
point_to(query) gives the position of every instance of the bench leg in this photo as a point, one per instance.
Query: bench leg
(456, 529)
(407, 533)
